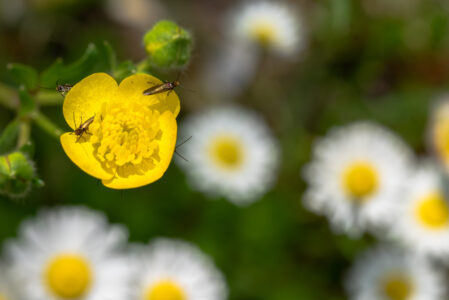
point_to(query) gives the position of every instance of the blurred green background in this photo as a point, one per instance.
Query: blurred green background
(368, 59)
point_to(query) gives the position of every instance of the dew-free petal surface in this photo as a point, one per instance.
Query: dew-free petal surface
(81, 154)
(166, 148)
(85, 98)
(132, 87)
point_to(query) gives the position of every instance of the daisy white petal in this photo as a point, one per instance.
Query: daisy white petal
(70, 253)
(176, 270)
(356, 177)
(271, 25)
(422, 225)
(9, 289)
(232, 154)
(385, 273)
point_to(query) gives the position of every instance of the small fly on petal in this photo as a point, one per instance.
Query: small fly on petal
(63, 89)
(82, 128)
(160, 88)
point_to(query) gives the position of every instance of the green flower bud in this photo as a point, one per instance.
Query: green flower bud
(168, 45)
(17, 175)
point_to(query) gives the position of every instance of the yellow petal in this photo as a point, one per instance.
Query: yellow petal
(166, 149)
(132, 87)
(85, 98)
(81, 154)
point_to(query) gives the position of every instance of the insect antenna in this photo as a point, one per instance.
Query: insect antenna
(183, 142)
(179, 145)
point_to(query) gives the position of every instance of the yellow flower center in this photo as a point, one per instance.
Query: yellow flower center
(397, 287)
(165, 290)
(3, 297)
(227, 152)
(68, 276)
(264, 33)
(360, 180)
(126, 138)
(433, 211)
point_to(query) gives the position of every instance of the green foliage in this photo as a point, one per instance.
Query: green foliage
(23, 75)
(9, 136)
(168, 45)
(27, 104)
(109, 55)
(58, 73)
(124, 70)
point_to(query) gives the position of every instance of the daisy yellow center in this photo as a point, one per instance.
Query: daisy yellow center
(165, 290)
(68, 276)
(360, 179)
(433, 211)
(125, 137)
(397, 287)
(227, 152)
(264, 33)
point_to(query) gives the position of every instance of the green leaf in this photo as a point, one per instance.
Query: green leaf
(124, 70)
(23, 75)
(110, 56)
(51, 75)
(9, 136)
(58, 73)
(27, 149)
(83, 66)
(27, 104)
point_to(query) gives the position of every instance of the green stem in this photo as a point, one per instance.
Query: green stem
(24, 133)
(46, 98)
(143, 66)
(47, 125)
(8, 97)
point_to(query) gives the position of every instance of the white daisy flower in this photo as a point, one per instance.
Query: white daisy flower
(438, 134)
(356, 177)
(70, 253)
(232, 154)
(271, 25)
(176, 270)
(423, 222)
(385, 273)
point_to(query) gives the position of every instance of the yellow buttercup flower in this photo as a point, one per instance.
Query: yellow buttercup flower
(132, 137)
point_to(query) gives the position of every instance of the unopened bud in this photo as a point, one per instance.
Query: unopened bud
(168, 45)
(17, 175)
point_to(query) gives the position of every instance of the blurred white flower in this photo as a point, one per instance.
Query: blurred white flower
(385, 273)
(423, 222)
(274, 26)
(438, 134)
(232, 154)
(356, 177)
(70, 253)
(176, 270)
(229, 70)
(140, 14)
(8, 288)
